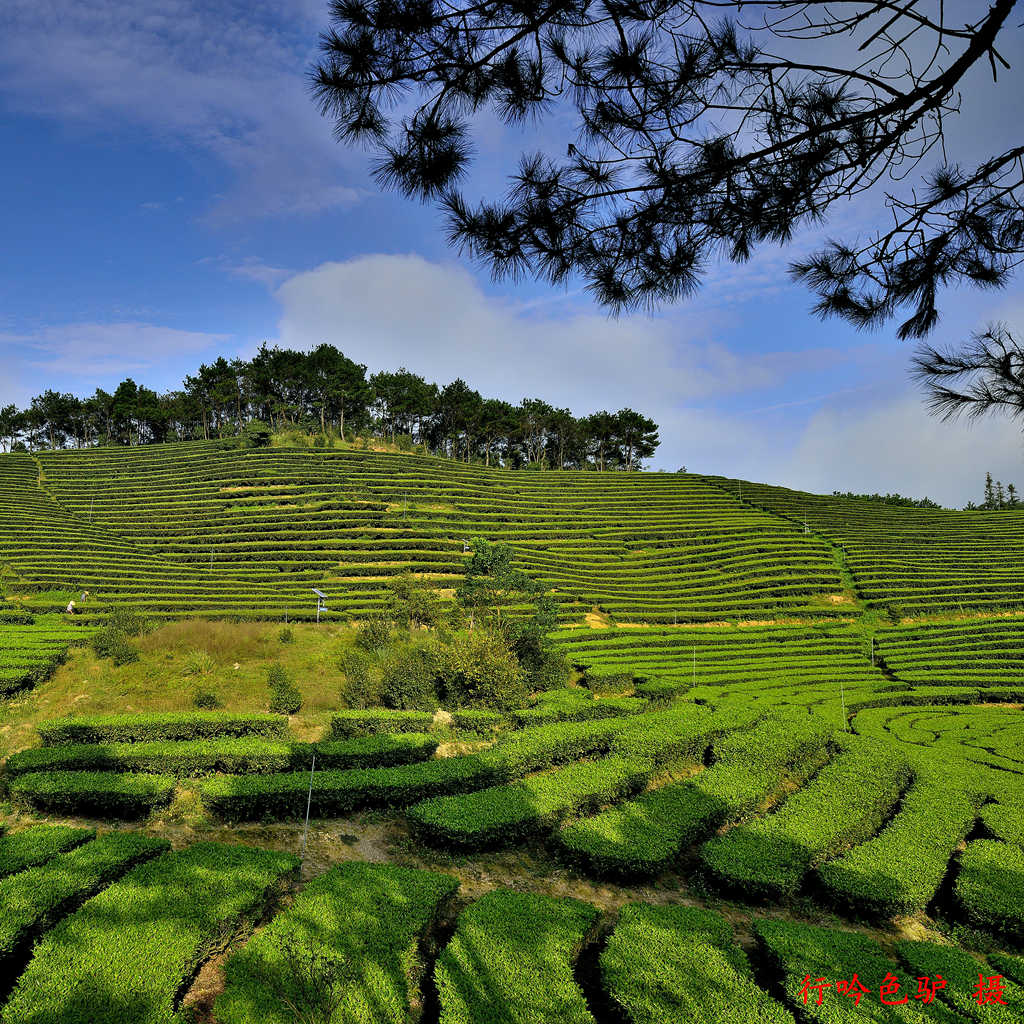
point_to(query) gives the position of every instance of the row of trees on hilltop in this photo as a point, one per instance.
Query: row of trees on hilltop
(998, 498)
(324, 391)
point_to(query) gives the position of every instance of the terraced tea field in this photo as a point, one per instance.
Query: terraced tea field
(757, 799)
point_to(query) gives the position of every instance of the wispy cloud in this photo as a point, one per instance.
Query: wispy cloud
(225, 78)
(101, 350)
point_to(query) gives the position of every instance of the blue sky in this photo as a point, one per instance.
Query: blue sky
(171, 194)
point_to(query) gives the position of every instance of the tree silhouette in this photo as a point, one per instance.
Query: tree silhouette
(699, 135)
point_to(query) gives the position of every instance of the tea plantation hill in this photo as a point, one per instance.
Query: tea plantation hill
(763, 724)
(208, 529)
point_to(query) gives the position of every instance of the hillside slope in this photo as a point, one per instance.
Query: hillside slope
(210, 528)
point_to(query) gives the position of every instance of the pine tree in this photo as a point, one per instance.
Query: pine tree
(1000, 495)
(990, 494)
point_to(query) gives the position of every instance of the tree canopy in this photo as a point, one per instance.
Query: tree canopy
(323, 390)
(704, 128)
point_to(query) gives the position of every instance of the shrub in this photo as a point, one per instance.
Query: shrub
(377, 720)
(609, 680)
(375, 941)
(990, 887)
(285, 698)
(511, 961)
(188, 725)
(338, 793)
(770, 856)
(408, 679)
(285, 635)
(681, 965)
(477, 720)
(181, 904)
(104, 794)
(374, 633)
(361, 690)
(478, 669)
(38, 844)
(36, 899)
(257, 434)
(116, 646)
(206, 700)
(509, 813)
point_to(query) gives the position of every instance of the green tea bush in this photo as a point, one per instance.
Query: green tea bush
(286, 635)
(961, 971)
(103, 794)
(207, 700)
(511, 961)
(339, 793)
(36, 899)
(477, 720)
(36, 845)
(378, 720)
(509, 813)
(231, 755)
(1004, 821)
(770, 857)
(180, 904)
(901, 869)
(681, 965)
(189, 725)
(285, 698)
(989, 887)
(370, 920)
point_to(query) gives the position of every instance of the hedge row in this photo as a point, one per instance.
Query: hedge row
(345, 724)
(369, 919)
(802, 953)
(509, 813)
(989, 887)
(338, 793)
(193, 725)
(511, 961)
(36, 899)
(681, 965)
(103, 794)
(845, 804)
(232, 755)
(962, 972)
(38, 844)
(644, 836)
(901, 869)
(1004, 821)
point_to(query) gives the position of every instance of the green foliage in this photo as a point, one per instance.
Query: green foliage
(36, 845)
(36, 899)
(181, 904)
(232, 755)
(795, 950)
(411, 602)
(369, 918)
(101, 794)
(207, 700)
(989, 887)
(681, 965)
(286, 635)
(362, 690)
(378, 720)
(257, 434)
(408, 678)
(645, 836)
(114, 640)
(374, 634)
(285, 698)
(176, 725)
(509, 813)
(339, 793)
(477, 720)
(478, 669)
(771, 856)
(511, 961)
(901, 869)
(491, 582)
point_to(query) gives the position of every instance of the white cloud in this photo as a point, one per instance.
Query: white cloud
(100, 350)
(388, 311)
